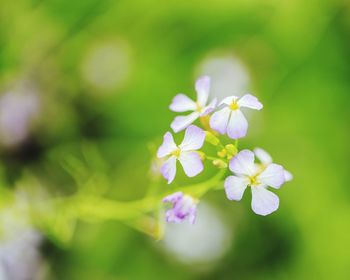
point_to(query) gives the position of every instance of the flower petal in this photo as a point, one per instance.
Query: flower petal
(191, 163)
(181, 122)
(237, 125)
(264, 202)
(263, 156)
(168, 169)
(273, 176)
(193, 140)
(174, 197)
(235, 187)
(243, 163)
(250, 101)
(182, 103)
(210, 108)
(219, 120)
(288, 176)
(167, 146)
(202, 87)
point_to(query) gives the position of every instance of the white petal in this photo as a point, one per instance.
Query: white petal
(264, 202)
(167, 146)
(193, 140)
(228, 100)
(210, 108)
(243, 163)
(191, 163)
(288, 176)
(181, 122)
(263, 156)
(168, 169)
(273, 176)
(237, 125)
(219, 120)
(235, 187)
(250, 101)
(182, 103)
(202, 87)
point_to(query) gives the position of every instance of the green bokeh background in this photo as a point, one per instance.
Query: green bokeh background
(297, 54)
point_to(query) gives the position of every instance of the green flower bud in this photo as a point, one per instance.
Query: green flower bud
(219, 163)
(211, 138)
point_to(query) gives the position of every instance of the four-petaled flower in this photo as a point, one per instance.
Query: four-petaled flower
(230, 119)
(182, 103)
(183, 206)
(185, 153)
(258, 177)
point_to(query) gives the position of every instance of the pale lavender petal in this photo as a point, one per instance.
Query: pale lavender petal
(182, 103)
(181, 122)
(228, 100)
(218, 121)
(173, 198)
(273, 176)
(243, 163)
(235, 187)
(192, 214)
(167, 146)
(168, 169)
(191, 163)
(237, 126)
(210, 108)
(202, 87)
(250, 101)
(193, 140)
(263, 156)
(264, 202)
(288, 176)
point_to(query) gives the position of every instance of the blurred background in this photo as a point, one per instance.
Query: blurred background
(84, 93)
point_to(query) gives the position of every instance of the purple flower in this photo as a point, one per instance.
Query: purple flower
(258, 177)
(266, 159)
(230, 119)
(185, 153)
(183, 207)
(182, 103)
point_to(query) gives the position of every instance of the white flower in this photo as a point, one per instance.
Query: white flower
(182, 103)
(185, 153)
(258, 177)
(230, 119)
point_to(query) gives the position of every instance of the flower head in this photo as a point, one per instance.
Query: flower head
(182, 103)
(183, 207)
(258, 177)
(230, 119)
(185, 153)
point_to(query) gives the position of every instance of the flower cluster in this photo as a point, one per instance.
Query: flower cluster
(222, 123)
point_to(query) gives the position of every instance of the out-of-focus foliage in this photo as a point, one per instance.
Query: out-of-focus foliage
(85, 87)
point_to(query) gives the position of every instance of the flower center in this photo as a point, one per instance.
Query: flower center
(176, 152)
(234, 106)
(198, 107)
(253, 181)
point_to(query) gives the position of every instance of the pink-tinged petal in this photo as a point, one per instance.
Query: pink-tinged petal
(202, 87)
(250, 101)
(235, 187)
(264, 202)
(193, 140)
(210, 108)
(182, 103)
(218, 121)
(173, 198)
(263, 156)
(228, 100)
(273, 176)
(168, 169)
(243, 163)
(287, 176)
(237, 126)
(192, 214)
(191, 163)
(167, 146)
(181, 122)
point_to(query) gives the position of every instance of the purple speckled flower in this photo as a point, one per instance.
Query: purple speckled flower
(185, 153)
(183, 207)
(258, 177)
(230, 119)
(182, 103)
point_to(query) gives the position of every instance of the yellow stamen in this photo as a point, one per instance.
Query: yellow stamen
(198, 107)
(234, 106)
(176, 152)
(253, 181)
